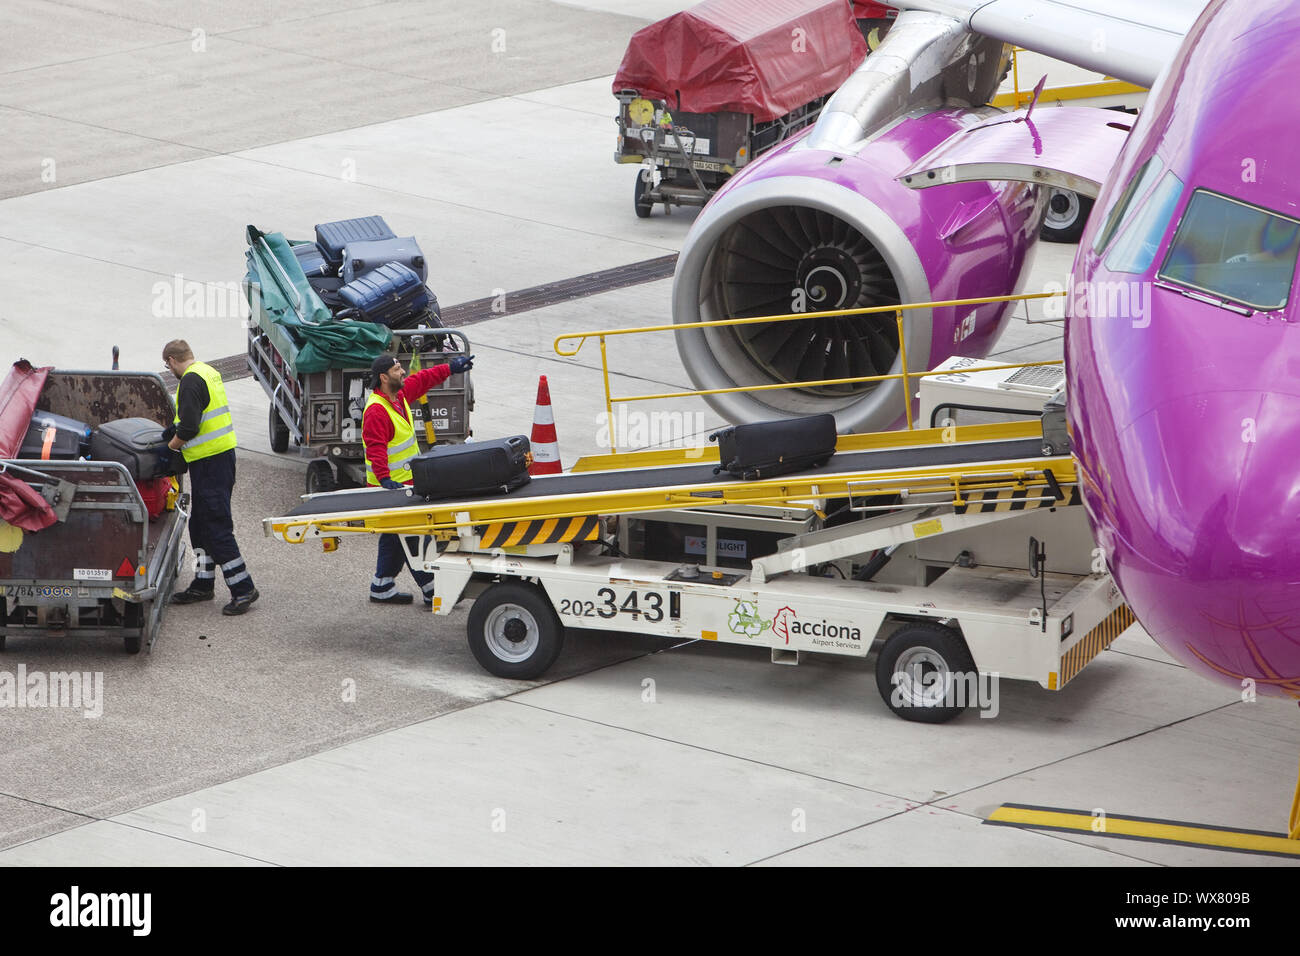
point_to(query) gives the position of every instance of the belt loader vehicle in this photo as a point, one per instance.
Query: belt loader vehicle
(956, 551)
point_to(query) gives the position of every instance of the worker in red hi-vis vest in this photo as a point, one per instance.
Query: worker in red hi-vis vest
(388, 431)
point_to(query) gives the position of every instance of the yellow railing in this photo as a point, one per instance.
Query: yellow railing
(897, 310)
(1079, 91)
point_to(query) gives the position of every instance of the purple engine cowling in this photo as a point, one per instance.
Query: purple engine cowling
(808, 229)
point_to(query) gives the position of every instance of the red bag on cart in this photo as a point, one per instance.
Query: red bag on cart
(154, 492)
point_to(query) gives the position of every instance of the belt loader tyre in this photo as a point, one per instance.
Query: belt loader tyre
(514, 632)
(921, 673)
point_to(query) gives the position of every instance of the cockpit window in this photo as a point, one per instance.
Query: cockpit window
(1234, 250)
(1137, 186)
(1138, 241)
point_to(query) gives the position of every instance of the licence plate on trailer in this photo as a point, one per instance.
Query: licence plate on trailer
(38, 592)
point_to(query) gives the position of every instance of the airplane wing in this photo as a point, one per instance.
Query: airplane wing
(1130, 40)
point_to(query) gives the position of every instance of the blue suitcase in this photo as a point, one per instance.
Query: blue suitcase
(333, 236)
(360, 258)
(313, 261)
(390, 295)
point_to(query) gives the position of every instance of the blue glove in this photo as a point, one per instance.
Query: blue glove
(163, 453)
(390, 484)
(461, 363)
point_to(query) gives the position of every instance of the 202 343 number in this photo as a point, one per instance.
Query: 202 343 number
(647, 604)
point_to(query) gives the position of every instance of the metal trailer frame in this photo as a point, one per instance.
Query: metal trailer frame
(64, 580)
(52, 607)
(673, 171)
(320, 412)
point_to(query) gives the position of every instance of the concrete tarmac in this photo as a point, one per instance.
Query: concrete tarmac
(320, 730)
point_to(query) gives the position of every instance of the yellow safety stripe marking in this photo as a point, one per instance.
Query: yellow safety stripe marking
(1145, 828)
(1093, 643)
(1007, 499)
(510, 534)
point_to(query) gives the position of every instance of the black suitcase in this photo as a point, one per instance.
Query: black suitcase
(333, 236)
(769, 449)
(480, 468)
(55, 438)
(133, 442)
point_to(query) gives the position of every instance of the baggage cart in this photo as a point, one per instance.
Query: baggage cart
(104, 568)
(704, 92)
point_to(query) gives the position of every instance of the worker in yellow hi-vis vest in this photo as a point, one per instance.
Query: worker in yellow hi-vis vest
(388, 431)
(204, 434)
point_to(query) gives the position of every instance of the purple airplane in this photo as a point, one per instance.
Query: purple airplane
(1176, 348)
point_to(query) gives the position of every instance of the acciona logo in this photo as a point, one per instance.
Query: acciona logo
(77, 909)
(787, 623)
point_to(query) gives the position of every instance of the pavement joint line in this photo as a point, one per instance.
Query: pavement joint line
(82, 255)
(406, 194)
(490, 94)
(711, 750)
(131, 826)
(84, 59)
(121, 132)
(862, 826)
(1154, 660)
(154, 23)
(1091, 750)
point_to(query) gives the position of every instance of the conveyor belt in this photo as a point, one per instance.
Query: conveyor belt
(691, 476)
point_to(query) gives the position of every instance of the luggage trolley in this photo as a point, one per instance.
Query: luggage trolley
(320, 412)
(320, 311)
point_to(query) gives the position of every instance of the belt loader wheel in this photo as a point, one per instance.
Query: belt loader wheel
(514, 632)
(921, 673)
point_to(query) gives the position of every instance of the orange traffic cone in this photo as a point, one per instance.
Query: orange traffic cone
(546, 449)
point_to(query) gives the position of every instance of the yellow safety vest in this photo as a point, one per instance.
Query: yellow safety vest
(216, 427)
(402, 448)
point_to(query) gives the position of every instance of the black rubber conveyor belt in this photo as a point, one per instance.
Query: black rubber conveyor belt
(691, 476)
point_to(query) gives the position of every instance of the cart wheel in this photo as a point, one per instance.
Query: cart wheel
(279, 432)
(320, 477)
(1067, 214)
(133, 616)
(514, 631)
(917, 672)
(644, 206)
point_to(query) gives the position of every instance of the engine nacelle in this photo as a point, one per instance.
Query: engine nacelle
(810, 229)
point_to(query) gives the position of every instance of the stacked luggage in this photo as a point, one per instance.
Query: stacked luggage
(363, 270)
(136, 443)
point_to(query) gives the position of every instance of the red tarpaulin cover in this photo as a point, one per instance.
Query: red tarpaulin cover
(20, 504)
(764, 57)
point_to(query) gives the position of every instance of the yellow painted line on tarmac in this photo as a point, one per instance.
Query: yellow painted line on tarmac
(1145, 828)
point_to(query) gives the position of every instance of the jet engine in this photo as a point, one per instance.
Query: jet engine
(821, 224)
